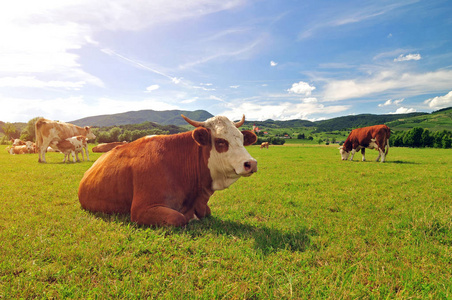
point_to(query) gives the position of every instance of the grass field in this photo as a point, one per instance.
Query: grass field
(306, 226)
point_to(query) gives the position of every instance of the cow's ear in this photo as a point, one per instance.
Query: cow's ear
(201, 136)
(249, 137)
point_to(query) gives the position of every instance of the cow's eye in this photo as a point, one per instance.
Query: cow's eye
(221, 145)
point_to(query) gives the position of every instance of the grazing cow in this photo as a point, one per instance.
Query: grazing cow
(264, 145)
(107, 146)
(372, 137)
(73, 145)
(168, 179)
(51, 132)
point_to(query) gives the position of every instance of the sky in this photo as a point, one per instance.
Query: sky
(272, 59)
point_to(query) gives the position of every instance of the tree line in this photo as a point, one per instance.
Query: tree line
(419, 138)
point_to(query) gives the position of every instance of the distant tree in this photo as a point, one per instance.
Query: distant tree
(301, 136)
(136, 134)
(114, 134)
(413, 138)
(10, 131)
(103, 137)
(427, 139)
(438, 139)
(447, 141)
(310, 138)
(125, 136)
(319, 141)
(28, 133)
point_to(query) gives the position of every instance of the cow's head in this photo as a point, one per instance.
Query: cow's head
(228, 159)
(344, 153)
(88, 133)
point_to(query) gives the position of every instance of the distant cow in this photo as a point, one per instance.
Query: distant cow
(22, 149)
(168, 179)
(372, 137)
(264, 145)
(17, 142)
(51, 132)
(72, 145)
(107, 146)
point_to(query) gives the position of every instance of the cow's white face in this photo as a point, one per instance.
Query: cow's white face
(344, 154)
(228, 159)
(89, 134)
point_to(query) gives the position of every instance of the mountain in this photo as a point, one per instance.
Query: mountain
(436, 121)
(345, 122)
(168, 117)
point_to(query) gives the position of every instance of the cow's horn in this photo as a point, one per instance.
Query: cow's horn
(240, 123)
(194, 123)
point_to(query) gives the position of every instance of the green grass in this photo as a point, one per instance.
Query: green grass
(306, 226)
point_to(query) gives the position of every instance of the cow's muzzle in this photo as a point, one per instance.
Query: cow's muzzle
(250, 167)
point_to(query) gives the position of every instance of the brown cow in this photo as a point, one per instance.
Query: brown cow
(168, 179)
(107, 146)
(372, 137)
(51, 132)
(264, 145)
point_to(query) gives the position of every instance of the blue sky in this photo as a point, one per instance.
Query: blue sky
(281, 59)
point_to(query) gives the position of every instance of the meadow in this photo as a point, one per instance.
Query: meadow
(306, 226)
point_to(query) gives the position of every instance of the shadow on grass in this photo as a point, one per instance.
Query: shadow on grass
(401, 162)
(266, 239)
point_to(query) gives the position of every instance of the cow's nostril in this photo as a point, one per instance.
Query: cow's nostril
(250, 166)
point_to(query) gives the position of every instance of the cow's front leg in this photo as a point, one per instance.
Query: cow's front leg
(352, 154)
(202, 210)
(382, 154)
(363, 153)
(157, 215)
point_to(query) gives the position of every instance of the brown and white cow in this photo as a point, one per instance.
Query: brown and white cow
(22, 149)
(51, 132)
(105, 147)
(17, 142)
(264, 145)
(73, 145)
(372, 137)
(168, 179)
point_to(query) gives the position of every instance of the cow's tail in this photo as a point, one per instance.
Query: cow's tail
(387, 147)
(38, 135)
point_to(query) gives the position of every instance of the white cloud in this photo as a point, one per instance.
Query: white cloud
(32, 82)
(71, 108)
(234, 86)
(403, 110)
(440, 101)
(388, 81)
(152, 88)
(302, 88)
(281, 110)
(42, 38)
(273, 64)
(391, 102)
(408, 57)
